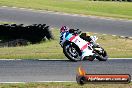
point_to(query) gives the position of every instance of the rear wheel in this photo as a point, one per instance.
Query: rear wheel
(71, 51)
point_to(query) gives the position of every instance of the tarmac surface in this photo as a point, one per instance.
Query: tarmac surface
(58, 70)
(90, 23)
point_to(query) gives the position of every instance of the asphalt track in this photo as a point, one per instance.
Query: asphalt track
(61, 70)
(92, 24)
(41, 71)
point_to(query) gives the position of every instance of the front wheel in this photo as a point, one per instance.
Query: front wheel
(71, 51)
(102, 56)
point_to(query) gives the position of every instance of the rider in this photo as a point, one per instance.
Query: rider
(63, 32)
(84, 36)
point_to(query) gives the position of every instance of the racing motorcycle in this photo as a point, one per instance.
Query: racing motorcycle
(77, 46)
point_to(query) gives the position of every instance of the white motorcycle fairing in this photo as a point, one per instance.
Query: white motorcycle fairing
(83, 45)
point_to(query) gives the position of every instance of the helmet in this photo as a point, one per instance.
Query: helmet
(64, 29)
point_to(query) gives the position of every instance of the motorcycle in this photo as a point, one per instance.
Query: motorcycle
(77, 47)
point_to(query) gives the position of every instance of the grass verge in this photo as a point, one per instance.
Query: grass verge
(115, 46)
(64, 85)
(6, 22)
(107, 9)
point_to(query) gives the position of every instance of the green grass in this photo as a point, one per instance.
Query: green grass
(107, 9)
(6, 22)
(64, 85)
(48, 49)
(115, 46)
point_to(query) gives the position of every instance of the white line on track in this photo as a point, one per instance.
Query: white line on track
(104, 34)
(75, 15)
(57, 59)
(122, 36)
(130, 37)
(49, 11)
(30, 9)
(39, 82)
(21, 8)
(83, 16)
(4, 6)
(55, 81)
(95, 33)
(67, 59)
(120, 58)
(114, 35)
(65, 14)
(14, 7)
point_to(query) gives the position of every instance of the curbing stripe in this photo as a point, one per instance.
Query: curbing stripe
(122, 36)
(104, 34)
(30, 9)
(4, 6)
(49, 11)
(14, 7)
(83, 16)
(74, 14)
(130, 37)
(114, 35)
(22, 8)
(95, 33)
(65, 14)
